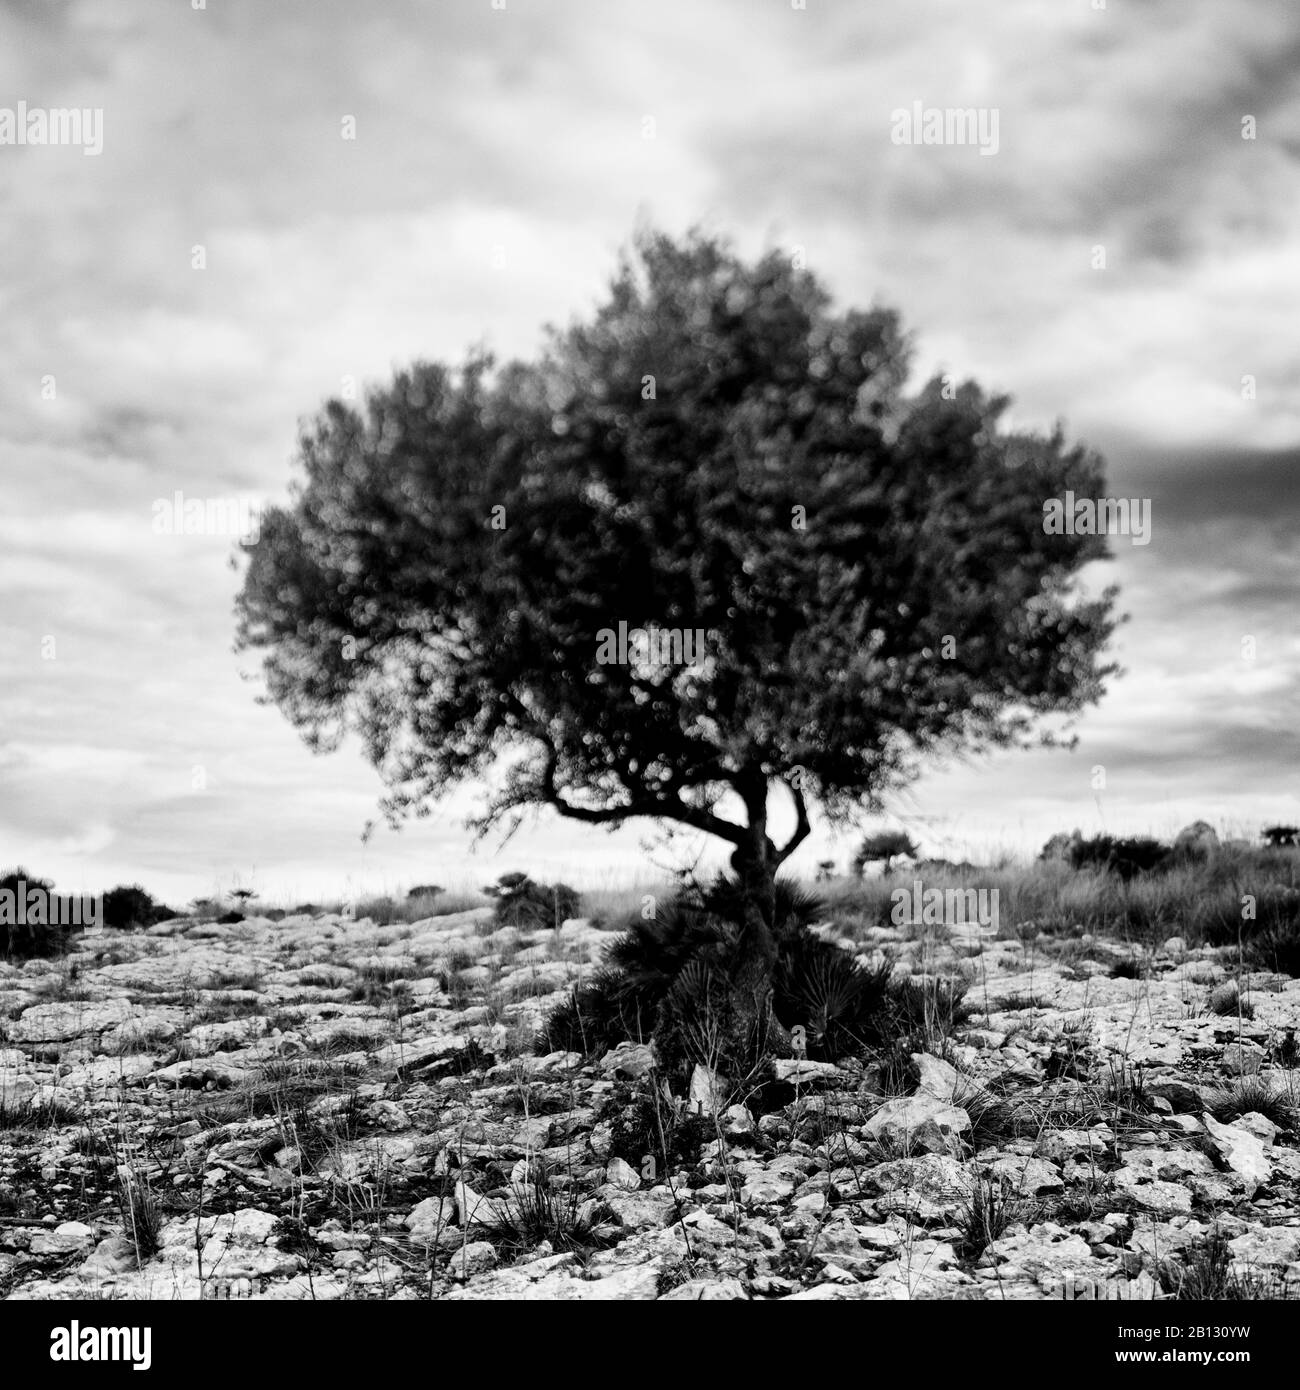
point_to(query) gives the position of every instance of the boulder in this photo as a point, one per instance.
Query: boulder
(918, 1123)
(1242, 1151)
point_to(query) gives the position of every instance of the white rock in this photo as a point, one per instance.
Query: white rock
(737, 1121)
(1242, 1151)
(622, 1175)
(706, 1291)
(628, 1059)
(474, 1257)
(1253, 1250)
(920, 1123)
(938, 1078)
(428, 1220)
(110, 1257)
(1243, 1058)
(473, 1209)
(15, 1091)
(63, 1240)
(707, 1094)
(1259, 1125)
(1164, 1198)
(59, 1022)
(800, 1071)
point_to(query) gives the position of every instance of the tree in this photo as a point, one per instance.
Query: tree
(884, 845)
(1281, 836)
(863, 575)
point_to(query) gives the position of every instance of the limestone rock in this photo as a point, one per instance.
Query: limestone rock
(621, 1173)
(629, 1060)
(918, 1123)
(1242, 1151)
(1243, 1058)
(799, 1071)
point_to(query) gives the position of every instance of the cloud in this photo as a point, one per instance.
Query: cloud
(501, 159)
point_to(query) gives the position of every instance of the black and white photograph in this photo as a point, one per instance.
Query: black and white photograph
(650, 651)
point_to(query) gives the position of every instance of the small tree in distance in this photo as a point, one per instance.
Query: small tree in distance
(886, 845)
(1281, 836)
(863, 574)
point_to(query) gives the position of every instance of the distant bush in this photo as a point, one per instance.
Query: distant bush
(886, 845)
(1060, 846)
(1196, 842)
(1279, 836)
(29, 940)
(130, 906)
(426, 890)
(1125, 857)
(519, 902)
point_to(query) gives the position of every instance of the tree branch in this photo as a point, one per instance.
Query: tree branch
(664, 807)
(802, 829)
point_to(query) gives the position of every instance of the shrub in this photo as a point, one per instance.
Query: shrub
(1280, 836)
(527, 905)
(1249, 1093)
(594, 1018)
(1209, 1273)
(663, 974)
(1125, 857)
(29, 940)
(130, 906)
(668, 977)
(1060, 846)
(643, 1124)
(537, 1210)
(426, 890)
(886, 845)
(992, 1207)
(1277, 948)
(842, 1004)
(1196, 842)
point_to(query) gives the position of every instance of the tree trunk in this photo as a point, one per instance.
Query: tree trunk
(754, 863)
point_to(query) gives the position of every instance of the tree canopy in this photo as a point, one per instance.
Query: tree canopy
(714, 451)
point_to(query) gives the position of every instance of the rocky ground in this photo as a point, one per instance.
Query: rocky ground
(315, 1108)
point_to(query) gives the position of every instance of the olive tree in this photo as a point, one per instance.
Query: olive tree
(705, 546)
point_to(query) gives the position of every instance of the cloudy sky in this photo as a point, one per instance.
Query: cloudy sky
(503, 153)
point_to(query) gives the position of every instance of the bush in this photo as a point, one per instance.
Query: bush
(594, 1018)
(29, 940)
(426, 890)
(1060, 847)
(1125, 857)
(669, 977)
(1281, 836)
(1277, 948)
(131, 906)
(644, 1125)
(886, 845)
(527, 905)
